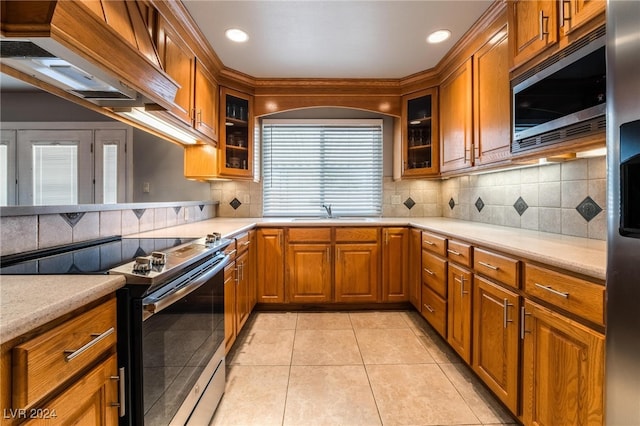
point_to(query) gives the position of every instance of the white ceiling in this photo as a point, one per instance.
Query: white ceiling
(333, 39)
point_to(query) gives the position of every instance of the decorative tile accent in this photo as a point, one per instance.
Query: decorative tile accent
(140, 252)
(138, 212)
(588, 209)
(201, 206)
(520, 205)
(235, 203)
(409, 203)
(177, 209)
(479, 204)
(452, 203)
(72, 218)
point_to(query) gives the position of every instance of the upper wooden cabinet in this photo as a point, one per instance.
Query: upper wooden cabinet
(456, 121)
(491, 101)
(196, 101)
(236, 134)
(420, 133)
(535, 25)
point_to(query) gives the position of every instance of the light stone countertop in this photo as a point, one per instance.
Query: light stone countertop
(579, 255)
(29, 301)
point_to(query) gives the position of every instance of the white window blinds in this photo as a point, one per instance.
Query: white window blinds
(110, 172)
(308, 163)
(55, 174)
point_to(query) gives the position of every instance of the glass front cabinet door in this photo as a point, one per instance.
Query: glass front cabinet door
(420, 133)
(236, 138)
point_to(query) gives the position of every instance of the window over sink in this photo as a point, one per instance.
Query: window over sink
(311, 163)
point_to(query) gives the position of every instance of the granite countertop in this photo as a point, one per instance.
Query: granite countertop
(29, 301)
(579, 255)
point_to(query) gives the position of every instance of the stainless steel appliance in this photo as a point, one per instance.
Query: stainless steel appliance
(170, 319)
(622, 386)
(562, 98)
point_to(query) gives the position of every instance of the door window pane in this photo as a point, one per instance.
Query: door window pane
(55, 174)
(4, 175)
(110, 174)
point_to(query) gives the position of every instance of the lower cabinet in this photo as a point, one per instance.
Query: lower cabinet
(496, 343)
(415, 268)
(356, 272)
(562, 370)
(395, 259)
(459, 311)
(230, 326)
(309, 273)
(270, 265)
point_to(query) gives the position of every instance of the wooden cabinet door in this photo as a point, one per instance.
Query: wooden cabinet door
(459, 311)
(242, 291)
(251, 270)
(420, 155)
(495, 339)
(415, 268)
(356, 272)
(92, 400)
(456, 120)
(270, 265)
(309, 273)
(230, 285)
(491, 101)
(236, 134)
(532, 28)
(179, 62)
(562, 370)
(575, 13)
(205, 103)
(395, 265)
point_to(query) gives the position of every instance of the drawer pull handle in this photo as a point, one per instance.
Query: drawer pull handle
(97, 338)
(552, 290)
(457, 253)
(232, 253)
(429, 308)
(246, 243)
(488, 265)
(429, 243)
(428, 271)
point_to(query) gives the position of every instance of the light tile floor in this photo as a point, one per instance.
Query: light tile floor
(350, 368)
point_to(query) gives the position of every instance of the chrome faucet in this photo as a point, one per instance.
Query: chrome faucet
(328, 209)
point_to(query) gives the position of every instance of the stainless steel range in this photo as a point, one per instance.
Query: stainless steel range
(170, 319)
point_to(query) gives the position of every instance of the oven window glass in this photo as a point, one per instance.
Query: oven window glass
(178, 343)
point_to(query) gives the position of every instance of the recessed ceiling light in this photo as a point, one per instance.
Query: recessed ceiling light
(237, 35)
(438, 36)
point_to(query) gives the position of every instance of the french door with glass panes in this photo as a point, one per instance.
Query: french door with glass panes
(60, 167)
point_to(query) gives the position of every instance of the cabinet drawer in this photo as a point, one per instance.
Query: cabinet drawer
(434, 310)
(356, 234)
(231, 250)
(242, 242)
(574, 295)
(309, 235)
(434, 243)
(434, 273)
(46, 361)
(496, 266)
(459, 252)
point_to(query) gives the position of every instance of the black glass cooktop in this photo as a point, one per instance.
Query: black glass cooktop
(90, 257)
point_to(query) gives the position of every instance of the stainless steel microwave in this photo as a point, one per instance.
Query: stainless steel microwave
(563, 98)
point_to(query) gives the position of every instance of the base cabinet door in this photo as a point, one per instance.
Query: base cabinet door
(495, 339)
(270, 265)
(395, 253)
(309, 273)
(415, 268)
(230, 325)
(562, 370)
(356, 269)
(459, 311)
(243, 308)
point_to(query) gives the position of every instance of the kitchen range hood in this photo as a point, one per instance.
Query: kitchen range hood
(79, 78)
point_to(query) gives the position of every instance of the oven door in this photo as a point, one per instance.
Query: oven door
(183, 343)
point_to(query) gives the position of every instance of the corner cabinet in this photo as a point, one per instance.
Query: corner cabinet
(235, 157)
(420, 134)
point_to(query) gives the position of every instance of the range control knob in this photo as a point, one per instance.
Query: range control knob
(142, 264)
(158, 258)
(213, 238)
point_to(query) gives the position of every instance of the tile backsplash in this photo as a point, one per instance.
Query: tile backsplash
(564, 198)
(31, 232)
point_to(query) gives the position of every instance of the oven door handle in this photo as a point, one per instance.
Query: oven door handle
(151, 308)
